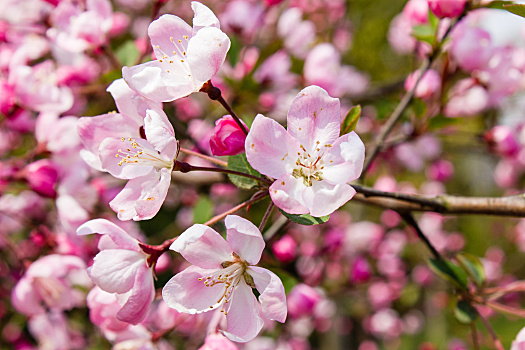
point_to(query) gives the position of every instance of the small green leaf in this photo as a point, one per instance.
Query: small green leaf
(203, 210)
(127, 53)
(440, 121)
(240, 163)
(498, 4)
(112, 76)
(351, 119)
(473, 267)
(424, 33)
(449, 271)
(433, 20)
(465, 313)
(305, 219)
(517, 9)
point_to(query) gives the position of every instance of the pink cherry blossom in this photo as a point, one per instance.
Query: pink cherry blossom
(186, 57)
(223, 276)
(428, 85)
(311, 163)
(298, 35)
(121, 267)
(228, 138)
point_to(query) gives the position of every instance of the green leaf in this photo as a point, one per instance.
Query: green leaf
(517, 9)
(424, 33)
(473, 267)
(433, 20)
(240, 163)
(449, 271)
(465, 313)
(203, 210)
(440, 121)
(305, 219)
(498, 4)
(351, 119)
(127, 53)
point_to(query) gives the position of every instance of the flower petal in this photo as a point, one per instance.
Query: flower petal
(127, 101)
(323, 198)
(314, 117)
(142, 294)
(124, 202)
(269, 147)
(245, 238)
(273, 297)
(159, 81)
(114, 270)
(243, 321)
(159, 132)
(165, 33)
(102, 226)
(287, 194)
(108, 150)
(203, 246)
(206, 53)
(153, 195)
(204, 17)
(185, 293)
(344, 160)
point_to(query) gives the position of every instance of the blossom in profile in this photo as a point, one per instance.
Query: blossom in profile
(222, 277)
(228, 138)
(310, 162)
(186, 57)
(121, 267)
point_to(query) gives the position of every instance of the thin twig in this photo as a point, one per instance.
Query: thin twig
(111, 56)
(203, 156)
(409, 219)
(219, 217)
(495, 339)
(186, 168)
(474, 336)
(266, 216)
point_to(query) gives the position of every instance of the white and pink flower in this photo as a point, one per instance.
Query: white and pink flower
(186, 57)
(312, 165)
(222, 277)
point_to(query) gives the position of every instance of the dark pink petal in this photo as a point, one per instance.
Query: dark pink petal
(245, 238)
(287, 194)
(273, 297)
(314, 117)
(343, 162)
(203, 246)
(185, 293)
(270, 149)
(165, 34)
(142, 294)
(120, 237)
(323, 198)
(206, 53)
(159, 81)
(243, 321)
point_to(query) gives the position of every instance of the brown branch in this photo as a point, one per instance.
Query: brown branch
(513, 206)
(203, 156)
(248, 203)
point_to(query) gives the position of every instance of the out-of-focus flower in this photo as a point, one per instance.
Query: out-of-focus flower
(217, 341)
(42, 176)
(121, 267)
(302, 300)
(429, 84)
(285, 249)
(466, 99)
(447, 8)
(228, 138)
(503, 140)
(298, 35)
(242, 17)
(186, 57)
(323, 68)
(222, 277)
(311, 163)
(48, 284)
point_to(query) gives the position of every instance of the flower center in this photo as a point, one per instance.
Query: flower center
(233, 273)
(309, 167)
(136, 154)
(176, 59)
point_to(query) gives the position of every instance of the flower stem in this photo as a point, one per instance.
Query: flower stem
(186, 168)
(266, 216)
(155, 251)
(219, 217)
(203, 156)
(493, 335)
(474, 336)
(214, 93)
(409, 219)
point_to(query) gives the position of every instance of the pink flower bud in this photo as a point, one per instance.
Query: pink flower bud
(228, 138)
(416, 11)
(502, 140)
(441, 170)
(7, 98)
(285, 249)
(42, 176)
(427, 86)
(361, 270)
(447, 8)
(273, 2)
(302, 300)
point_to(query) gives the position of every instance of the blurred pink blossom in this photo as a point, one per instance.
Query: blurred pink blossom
(447, 8)
(429, 85)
